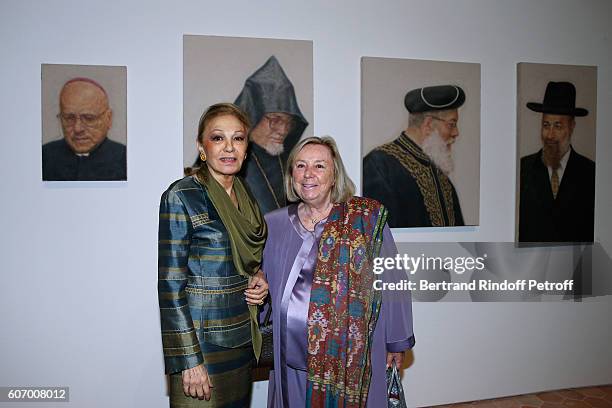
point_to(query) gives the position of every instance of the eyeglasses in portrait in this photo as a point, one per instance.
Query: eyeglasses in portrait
(84, 132)
(421, 140)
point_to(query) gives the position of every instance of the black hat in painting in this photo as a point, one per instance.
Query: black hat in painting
(559, 99)
(433, 98)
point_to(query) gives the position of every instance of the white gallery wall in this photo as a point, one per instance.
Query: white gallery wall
(78, 302)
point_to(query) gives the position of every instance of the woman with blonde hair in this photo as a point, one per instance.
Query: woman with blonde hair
(333, 333)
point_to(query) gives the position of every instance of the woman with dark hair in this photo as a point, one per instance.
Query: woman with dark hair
(211, 238)
(334, 334)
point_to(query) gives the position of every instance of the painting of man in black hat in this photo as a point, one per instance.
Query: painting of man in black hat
(421, 140)
(410, 174)
(557, 182)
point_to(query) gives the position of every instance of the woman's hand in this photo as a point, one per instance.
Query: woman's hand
(398, 357)
(257, 290)
(196, 383)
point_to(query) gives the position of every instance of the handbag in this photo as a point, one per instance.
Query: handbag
(395, 392)
(266, 358)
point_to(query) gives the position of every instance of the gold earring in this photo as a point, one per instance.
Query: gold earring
(203, 156)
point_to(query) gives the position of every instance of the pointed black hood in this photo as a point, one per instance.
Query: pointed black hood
(270, 90)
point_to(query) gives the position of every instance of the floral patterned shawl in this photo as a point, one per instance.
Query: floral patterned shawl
(344, 307)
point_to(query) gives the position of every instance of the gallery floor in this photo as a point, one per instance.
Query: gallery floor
(590, 397)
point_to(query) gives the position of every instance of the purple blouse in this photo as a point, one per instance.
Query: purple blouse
(289, 259)
(296, 312)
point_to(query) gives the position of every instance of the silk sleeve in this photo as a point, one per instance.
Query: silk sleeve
(180, 343)
(399, 335)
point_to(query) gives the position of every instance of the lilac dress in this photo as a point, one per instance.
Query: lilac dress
(289, 259)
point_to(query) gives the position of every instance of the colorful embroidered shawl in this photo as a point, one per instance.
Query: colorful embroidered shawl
(344, 307)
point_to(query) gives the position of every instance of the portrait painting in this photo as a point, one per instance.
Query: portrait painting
(271, 81)
(84, 116)
(420, 138)
(556, 127)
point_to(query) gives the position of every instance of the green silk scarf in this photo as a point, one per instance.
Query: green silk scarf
(247, 233)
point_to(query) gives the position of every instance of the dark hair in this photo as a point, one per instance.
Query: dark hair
(220, 109)
(213, 111)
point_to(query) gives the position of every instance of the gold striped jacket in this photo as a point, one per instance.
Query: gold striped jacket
(200, 292)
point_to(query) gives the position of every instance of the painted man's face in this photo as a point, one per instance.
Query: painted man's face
(446, 124)
(556, 133)
(437, 144)
(85, 116)
(271, 131)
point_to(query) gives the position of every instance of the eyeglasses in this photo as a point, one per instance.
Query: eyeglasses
(452, 125)
(277, 121)
(87, 119)
(554, 125)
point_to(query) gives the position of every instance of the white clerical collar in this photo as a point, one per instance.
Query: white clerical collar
(82, 154)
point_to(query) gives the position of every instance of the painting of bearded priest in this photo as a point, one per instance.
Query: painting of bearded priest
(421, 140)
